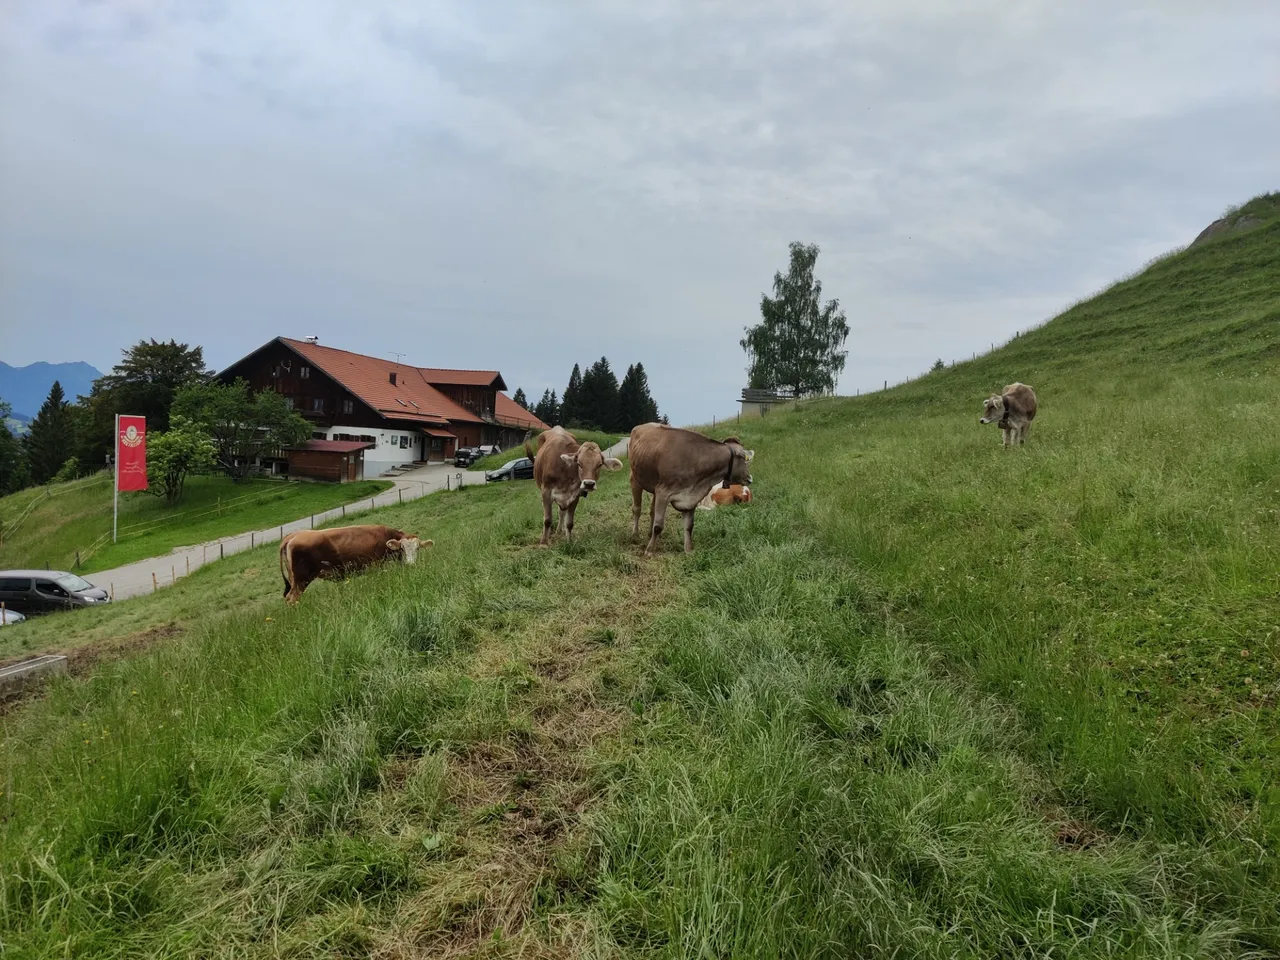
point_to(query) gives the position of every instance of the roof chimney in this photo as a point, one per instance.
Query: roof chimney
(393, 378)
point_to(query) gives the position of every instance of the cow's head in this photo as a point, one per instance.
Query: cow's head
(407, 547)
(738, 471)
(588, 461)
(993, 409)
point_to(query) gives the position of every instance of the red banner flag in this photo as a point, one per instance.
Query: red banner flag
(131, 453)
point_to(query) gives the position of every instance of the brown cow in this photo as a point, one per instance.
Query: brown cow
(1013, 411)
(309, 555)
(565, 472)
(679, 467)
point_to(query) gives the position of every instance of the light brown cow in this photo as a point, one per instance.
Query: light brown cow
(1013, 411)
(679, 467)
(309, 555)
(564, 472)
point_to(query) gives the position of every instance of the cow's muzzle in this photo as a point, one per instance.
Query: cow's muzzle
(588, 486)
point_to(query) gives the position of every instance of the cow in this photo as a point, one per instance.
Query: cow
(1012, 411)
(721, 495)
(565, 471)
(678, 468)
(308, 555)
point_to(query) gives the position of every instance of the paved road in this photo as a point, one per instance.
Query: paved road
(136, 578)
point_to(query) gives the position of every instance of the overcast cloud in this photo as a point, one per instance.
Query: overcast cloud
(525, 185)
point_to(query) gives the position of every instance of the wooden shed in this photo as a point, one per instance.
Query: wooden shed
(337, 461)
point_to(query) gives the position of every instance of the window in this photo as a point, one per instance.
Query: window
(49, 589)
(348, 406)
(288, 403)
(317, 404)
(72, 582)
(304, 373)
(15, 585)
(365, 438)
(404, 442)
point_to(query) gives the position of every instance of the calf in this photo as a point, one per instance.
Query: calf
(564, 472)
(309, 555)
(1012, 411)
(679, 467)
(721, 495)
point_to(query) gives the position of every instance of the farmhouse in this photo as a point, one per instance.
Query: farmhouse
(399, 414)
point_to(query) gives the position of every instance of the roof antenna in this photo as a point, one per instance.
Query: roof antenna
(312, 339)
(397, 356)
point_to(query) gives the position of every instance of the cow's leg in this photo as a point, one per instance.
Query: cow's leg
(546, 517)
(637, 498)
(568, 523)
(560, 522)
(688, 530)
(1022, 434)
(659, 520)
(1007, 434)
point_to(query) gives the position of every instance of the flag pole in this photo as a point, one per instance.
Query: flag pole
(115, 491)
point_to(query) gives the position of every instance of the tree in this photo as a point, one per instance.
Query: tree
(797, 343)
(243, 426)
(144, 384)
(13, 456)
(937, 365)
(548, 408)
(570, 403)
(520, 398)
(49, 440)
(635, 405)
(598, 401)
(172, 455)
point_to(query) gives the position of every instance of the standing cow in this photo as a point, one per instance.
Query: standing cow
(1013, 411)
(564, 472)
(309, 555)
(679, 467)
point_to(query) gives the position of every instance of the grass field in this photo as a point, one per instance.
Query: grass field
(496, 460)
(76, 515)
(923, 697)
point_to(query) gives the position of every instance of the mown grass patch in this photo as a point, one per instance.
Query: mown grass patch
(77, 515)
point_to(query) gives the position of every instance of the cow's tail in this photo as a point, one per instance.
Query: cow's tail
(528, 450)
(286, 562)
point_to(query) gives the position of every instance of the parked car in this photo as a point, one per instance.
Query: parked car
(35, 591)
(8, 616)
(466, 456)
(521, 469)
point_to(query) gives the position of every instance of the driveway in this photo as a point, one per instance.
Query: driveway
(144, 576)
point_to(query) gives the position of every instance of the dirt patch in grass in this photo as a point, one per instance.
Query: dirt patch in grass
(520, 797)
(81, 661)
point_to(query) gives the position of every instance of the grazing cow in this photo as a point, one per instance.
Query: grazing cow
(1013, 411)
(679, 467)
(309, 555)
(720, 495)
(564, 472)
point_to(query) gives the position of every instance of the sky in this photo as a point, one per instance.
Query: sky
(527, 185)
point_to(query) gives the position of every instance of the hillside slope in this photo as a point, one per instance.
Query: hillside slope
(922, 697)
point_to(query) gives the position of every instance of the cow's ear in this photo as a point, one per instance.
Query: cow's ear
(569, 458)
(428, 543)
(748, 455)
(393, 544)
(612, 463)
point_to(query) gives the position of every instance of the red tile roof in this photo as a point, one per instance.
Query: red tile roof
(333, 446)
(411, 397)
(508, 411)
(462, 378)
(435, 432)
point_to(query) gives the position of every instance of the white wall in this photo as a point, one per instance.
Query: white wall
(388, 452)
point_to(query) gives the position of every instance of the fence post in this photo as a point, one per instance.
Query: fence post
(204, 552)
(173, 574)
(188, 564)
(77, 559)
(344, 511)
(154, 585)
(282, 531)
(371, 502)
(400, 490)
(251, 536)
(221, 552)
(113, 591)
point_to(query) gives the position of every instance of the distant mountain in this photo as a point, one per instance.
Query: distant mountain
(25, 388)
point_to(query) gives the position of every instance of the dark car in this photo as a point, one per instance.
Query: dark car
(521, 469)
(37, 591)
(466, 456)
